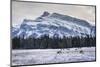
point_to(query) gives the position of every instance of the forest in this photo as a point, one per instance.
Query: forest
(46, 42)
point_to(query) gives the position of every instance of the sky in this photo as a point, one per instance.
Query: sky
(32, 10)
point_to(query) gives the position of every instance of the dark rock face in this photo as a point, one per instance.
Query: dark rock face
(45, 14)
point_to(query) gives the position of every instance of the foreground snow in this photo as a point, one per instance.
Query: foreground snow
(43, 56)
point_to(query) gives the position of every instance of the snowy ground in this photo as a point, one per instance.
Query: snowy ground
(43, 56)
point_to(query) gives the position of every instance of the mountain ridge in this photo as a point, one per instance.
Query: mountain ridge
(54, 23)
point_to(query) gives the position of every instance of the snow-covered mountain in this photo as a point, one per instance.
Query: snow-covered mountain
(53, 25)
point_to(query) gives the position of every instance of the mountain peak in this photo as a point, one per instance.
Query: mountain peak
(45, 14)
(63, 25)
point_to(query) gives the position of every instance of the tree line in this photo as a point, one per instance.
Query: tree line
(46, 42)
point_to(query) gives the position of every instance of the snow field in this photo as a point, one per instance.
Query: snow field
(44, 56)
